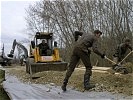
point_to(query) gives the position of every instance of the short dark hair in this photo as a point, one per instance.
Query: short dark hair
(43, 40)
(97, 31)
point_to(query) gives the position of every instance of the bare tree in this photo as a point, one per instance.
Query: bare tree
(112, 17)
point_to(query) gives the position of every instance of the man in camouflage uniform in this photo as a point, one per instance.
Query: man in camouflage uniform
(121, 51)
(43, 47)
(81, 51)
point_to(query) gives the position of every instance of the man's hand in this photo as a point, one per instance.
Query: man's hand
(103, 56)
(77, 34)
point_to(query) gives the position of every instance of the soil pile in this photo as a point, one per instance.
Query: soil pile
(115, 83)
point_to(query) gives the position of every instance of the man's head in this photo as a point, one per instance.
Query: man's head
(127, 41)
(97, 33)
(43, 41)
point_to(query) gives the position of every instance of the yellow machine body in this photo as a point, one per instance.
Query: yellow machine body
(38, 62)
(53, 58)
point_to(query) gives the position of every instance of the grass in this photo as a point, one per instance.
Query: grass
(3, 94)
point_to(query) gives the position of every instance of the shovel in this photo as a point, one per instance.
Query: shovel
(119, 62)
(112, 61)
(126, 57)
(117, 67)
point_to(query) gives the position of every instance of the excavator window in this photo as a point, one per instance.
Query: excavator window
(44, 41)
(43, 48)
(55, 44)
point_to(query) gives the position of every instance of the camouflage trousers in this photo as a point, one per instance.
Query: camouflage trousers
(76, 56)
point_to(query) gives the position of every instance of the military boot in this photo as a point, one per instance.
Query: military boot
(87, 84)
(64, 84)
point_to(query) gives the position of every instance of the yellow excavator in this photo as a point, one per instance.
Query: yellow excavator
(37, 61)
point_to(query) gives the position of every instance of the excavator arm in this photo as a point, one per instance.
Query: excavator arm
(15, 43)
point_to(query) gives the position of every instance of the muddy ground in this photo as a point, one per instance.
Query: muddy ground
(115, 83)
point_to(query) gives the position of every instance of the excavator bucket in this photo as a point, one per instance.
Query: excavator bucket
(49, 66)
(56, 66)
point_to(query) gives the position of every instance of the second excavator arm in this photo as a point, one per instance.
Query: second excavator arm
(15, 43)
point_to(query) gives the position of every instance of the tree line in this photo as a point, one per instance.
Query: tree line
(63, 17)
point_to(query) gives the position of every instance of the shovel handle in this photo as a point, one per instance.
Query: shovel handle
(126, 56)
(110, 60)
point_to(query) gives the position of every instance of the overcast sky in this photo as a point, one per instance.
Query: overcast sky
(13, 22)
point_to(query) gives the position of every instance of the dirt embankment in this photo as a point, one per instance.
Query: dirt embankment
(115, 83)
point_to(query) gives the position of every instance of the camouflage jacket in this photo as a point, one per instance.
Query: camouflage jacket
(86, 41)
(121, 50)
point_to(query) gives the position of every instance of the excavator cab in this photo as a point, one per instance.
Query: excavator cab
(44, 57)
(46, 52)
